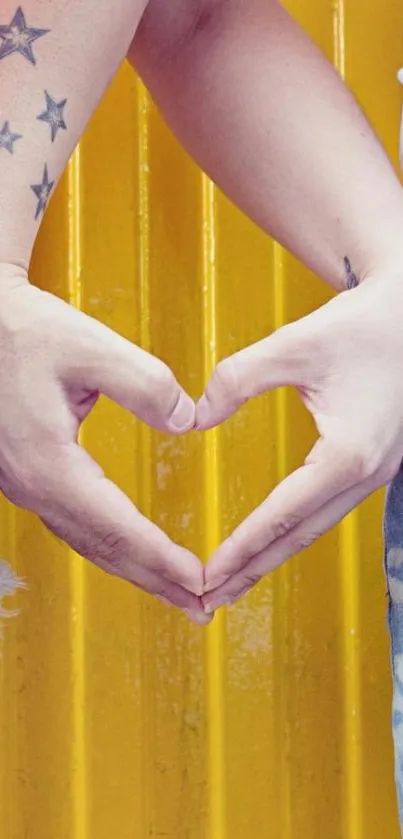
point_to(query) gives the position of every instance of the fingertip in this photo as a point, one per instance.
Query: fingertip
(211, 606)
(183, 416)
(199, 618)
(194, 581)
(198, 588)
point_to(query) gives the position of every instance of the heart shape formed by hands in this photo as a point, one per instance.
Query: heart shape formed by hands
(344, 359)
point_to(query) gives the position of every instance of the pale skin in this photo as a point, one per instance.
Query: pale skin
(225, 62)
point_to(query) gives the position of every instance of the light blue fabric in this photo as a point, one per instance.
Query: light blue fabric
(393, 526)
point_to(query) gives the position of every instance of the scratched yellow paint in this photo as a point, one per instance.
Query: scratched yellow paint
(119, 718)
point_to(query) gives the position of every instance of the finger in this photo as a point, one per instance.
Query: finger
(100, 522)
(131, 377)
(286, 546)
(291, 502)
(200, 618)
(280, 359)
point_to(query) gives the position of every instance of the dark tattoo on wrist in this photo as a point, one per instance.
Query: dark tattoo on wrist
(7, 138)
(53, 115)
(42, 192)
(18, 37)
(351, 277)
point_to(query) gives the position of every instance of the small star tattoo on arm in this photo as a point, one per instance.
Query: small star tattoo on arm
(18, 37)
(42, 192)
(351, 277)
(7, 138)
(54, 115)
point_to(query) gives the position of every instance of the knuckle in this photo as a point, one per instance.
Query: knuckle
(359, 462)
(295, 341)
(226, 377)
(250, 579)
(304, 541)
(282, 526)
(306, 347)
(110, 546)
(360, 466)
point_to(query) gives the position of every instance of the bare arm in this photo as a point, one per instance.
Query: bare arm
(56, 58)
(264, 113)
(261, 109)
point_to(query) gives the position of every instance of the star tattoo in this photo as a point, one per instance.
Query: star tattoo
(42, 192)
(18, 37)
(54, 115)
(7, 138)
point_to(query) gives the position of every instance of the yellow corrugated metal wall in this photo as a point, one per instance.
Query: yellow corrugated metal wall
(118, 717)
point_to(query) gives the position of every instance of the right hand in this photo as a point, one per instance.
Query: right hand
(54, 362)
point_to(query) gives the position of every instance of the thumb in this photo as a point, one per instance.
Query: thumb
(281, 359)
(132, 377)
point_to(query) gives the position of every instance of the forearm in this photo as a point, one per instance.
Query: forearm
(56, 59)
(264, 113)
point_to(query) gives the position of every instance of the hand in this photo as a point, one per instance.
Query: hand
(54, 363)
(346, 360)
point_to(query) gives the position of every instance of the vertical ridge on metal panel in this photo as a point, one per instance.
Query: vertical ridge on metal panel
(77, 570)
(215, 632)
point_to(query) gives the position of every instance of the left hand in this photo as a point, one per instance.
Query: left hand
(346, 360)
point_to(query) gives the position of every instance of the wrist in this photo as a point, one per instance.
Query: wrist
(13, 274)
(360, 268)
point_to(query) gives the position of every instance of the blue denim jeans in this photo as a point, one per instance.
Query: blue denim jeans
(393, 526)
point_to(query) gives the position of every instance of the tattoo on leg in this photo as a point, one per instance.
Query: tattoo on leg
(54, 115)
(42, 192)
(7, 138)
(18, 37)
(351, 277)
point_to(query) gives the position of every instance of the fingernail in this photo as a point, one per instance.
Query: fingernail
(209, 608)
(201, 618)
(183, 416)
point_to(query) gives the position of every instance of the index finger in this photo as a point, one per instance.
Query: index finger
(300, 495)
(279, 551)
(100, 522)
